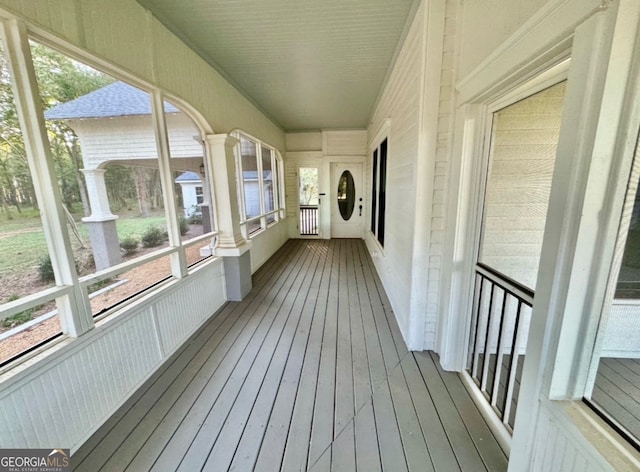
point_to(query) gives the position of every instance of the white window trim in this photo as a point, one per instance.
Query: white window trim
(384, 132)
(277, 175)
(71, 291)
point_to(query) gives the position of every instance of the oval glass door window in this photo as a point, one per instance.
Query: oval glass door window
(346, 195)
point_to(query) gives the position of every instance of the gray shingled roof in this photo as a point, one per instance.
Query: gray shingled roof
(188, 177)
(116, 99)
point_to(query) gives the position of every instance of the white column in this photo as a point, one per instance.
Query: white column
(232, 246)
(97, 191)
(220, 150)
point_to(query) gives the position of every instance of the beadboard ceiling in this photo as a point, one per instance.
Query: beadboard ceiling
(308, 64)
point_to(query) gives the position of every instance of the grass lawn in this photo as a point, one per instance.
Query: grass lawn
(22, 240)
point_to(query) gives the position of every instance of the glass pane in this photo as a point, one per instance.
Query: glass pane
(309, 198)
(523, 150)
(103, 141)
(250, 183)
(374, 191)
(382, 192)
(25, 265)
(109, 293)
(267, 183)
(346, 195)
(616, 365)
(191, 180)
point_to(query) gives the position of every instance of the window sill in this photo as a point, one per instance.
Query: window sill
(621, 455)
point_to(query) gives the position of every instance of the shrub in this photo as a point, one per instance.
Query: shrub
(98, 285)
(195, 219)
(184, 225)
(129, 245)
(45, 269)
(153, 236)
(18, 318)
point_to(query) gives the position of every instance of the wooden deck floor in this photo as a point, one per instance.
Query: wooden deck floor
(617, 391)
(309, 372)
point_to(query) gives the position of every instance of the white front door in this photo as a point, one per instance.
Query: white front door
(346, 200)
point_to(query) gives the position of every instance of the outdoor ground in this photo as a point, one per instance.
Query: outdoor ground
(22, 245)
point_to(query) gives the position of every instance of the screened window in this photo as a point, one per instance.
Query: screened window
(105, 193)
(259, 168)
(614, 388)
(378, 191)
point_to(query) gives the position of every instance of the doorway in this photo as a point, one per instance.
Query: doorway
(523, 140)
(308, 201)
(346, 199)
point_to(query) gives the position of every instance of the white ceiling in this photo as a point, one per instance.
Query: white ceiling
(308, 64)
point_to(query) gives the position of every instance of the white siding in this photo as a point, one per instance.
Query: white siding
(480, 40)
(560, 447)
(304, 141)
(265, 244)
(70, 394)
(344, 143)
(525, 139)
(132, 137)
(399, 102)
(444, 138)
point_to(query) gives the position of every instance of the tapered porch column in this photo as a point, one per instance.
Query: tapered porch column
(232, 246)
(102, 223)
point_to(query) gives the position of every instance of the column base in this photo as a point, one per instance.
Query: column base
(104, 243)
(237, 274)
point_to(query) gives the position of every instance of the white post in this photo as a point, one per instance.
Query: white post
(178, 259)
(75, 311)
(232, 246)
(98, 200)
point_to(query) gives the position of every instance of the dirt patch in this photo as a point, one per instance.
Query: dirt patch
(134, 281)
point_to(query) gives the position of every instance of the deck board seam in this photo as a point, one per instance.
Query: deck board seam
(243, 308)
(240, 357)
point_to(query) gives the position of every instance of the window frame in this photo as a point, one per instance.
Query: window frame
(71, 293)
(377, 212)
(277, 168)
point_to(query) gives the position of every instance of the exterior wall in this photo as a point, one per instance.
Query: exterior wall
(320, 149)
(482, 37)
(400, 103)
(493, 60)
(132, 137)
(70, 394)
(523, 152)
(189, 197)
(266, 243)
(444, 141)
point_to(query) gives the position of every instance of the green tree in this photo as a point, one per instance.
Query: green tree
(61, 79)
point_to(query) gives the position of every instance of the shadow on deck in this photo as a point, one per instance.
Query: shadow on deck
(309, 372)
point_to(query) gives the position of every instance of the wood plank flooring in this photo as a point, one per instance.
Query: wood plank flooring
(617, 391)
(309, 372)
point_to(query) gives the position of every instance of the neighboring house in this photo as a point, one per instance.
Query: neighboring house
(192, 194)
(114, 126)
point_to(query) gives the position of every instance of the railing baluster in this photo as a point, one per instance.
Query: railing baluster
(308, 220)
(475, 353)
(498, 363)
(485, 364)
(513, 366)
(479, 370)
